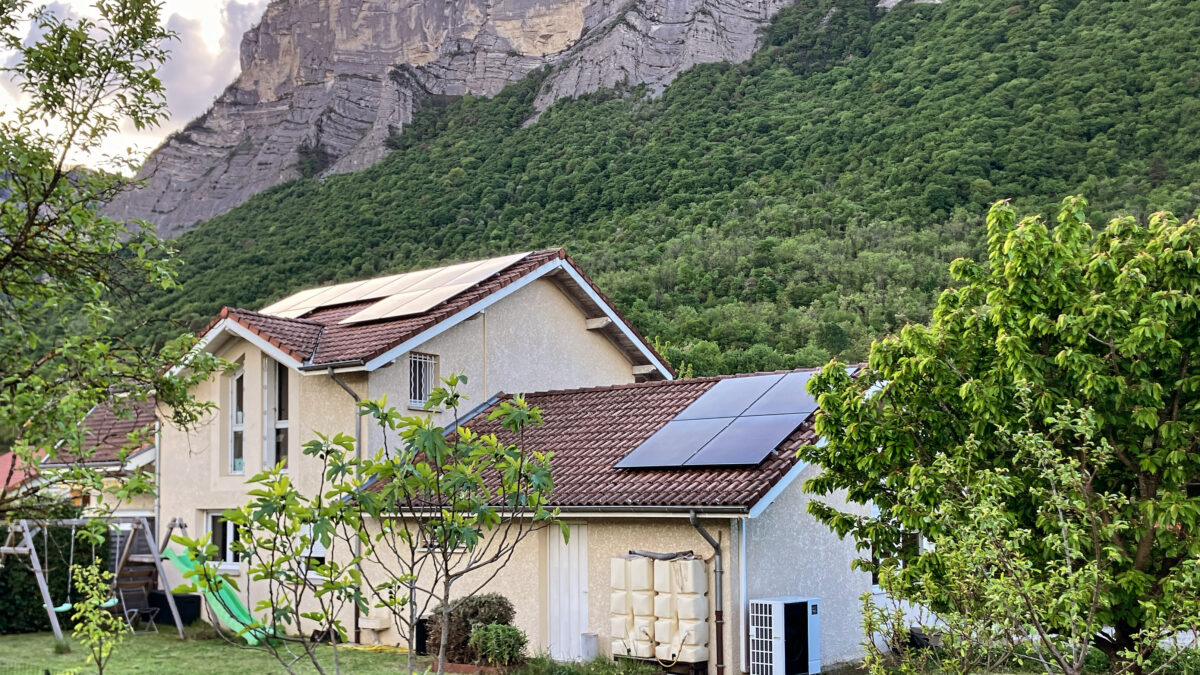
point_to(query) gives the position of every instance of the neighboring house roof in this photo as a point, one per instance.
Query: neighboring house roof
(332, 335)
(590, 430)
(14, 471)
(107, 432)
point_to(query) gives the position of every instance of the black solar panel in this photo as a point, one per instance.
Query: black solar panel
(746, 441)
(788, 396)
(738, 422)
(729, 398)
(673, 444)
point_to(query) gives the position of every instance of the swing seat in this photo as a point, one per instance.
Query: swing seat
(65, 607)
(109, 603)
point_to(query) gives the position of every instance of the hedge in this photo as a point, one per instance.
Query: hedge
(21, 608)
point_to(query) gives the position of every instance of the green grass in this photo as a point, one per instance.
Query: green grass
(202, 653)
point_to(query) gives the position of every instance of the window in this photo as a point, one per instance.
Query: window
(315, 555)
(224, 535)
(422, 374)
(275, 449)
(237, 423)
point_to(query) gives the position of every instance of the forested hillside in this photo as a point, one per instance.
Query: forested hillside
(771, 213)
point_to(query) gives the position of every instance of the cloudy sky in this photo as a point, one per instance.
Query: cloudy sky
(204, 61)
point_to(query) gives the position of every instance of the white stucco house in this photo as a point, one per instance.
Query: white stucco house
(642, 461)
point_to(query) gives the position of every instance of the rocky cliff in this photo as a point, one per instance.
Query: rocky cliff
(324, 82)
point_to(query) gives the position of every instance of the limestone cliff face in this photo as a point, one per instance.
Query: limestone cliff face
(324, 82)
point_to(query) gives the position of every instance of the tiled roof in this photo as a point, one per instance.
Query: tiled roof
(108, 432)
(589, 430)
(318, 338)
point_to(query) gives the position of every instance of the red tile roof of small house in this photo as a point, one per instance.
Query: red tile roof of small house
(107, 430)
(590, 430)
(317, 339)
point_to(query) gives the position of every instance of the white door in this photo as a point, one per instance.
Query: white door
(567, 595)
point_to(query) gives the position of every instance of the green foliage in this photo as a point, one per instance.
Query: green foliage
(281, 530)
(97, 629)
(498, 644)
(64, 269)
(1084, 339)
(766, 214)
(485, 609)
(544, 665)
(494, 496)
(21, 607)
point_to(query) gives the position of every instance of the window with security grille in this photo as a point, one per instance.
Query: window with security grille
(422, 378)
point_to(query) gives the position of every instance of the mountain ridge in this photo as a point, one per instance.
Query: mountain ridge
(325, 83)
(767, 214)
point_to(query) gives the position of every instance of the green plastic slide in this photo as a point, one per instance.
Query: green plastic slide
(224, 602)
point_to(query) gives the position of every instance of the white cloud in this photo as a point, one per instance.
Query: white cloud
(204, 60)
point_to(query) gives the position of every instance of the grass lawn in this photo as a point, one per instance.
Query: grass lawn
(203, 653)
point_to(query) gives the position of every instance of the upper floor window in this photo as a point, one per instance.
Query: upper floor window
(276, 422)
(422, 376)
(237, 422)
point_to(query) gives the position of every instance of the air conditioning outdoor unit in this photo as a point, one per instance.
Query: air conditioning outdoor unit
(785, 636)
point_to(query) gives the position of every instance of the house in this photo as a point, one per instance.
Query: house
(645, 467)
(121, 440)
(530, 322)
(523, 322)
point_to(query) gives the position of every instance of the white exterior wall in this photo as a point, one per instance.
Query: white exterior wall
(790, 553)
(533, 340)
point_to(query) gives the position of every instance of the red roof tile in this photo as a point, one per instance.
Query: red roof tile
(318, 339)
(590, 430)
(108, 432)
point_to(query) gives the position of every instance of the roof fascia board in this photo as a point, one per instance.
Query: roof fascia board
(782, 484)
(232, 327)
(619, 512)
(616, 319)
(464, 314)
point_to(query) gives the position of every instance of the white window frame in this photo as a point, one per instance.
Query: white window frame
(229, 562)
(422, 378)
(271, 422)
(237, 425)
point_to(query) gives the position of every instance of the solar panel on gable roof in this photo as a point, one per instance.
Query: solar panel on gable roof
(290, 302)
(440, 285)
(746, 441)
(671, 445)
(729, 397)
(787, 396)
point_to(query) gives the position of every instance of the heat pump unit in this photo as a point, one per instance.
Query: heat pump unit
(785, 636)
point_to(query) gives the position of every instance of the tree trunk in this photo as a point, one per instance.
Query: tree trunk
(412, 626)
(1114, 648)
(441, 669)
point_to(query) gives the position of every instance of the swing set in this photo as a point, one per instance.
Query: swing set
(133, 571)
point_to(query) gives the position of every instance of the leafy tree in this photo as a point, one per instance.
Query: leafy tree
(405, 530)
(1105, 322)
(99, 630)
(65, 270)
(281, 530)
(451, 506)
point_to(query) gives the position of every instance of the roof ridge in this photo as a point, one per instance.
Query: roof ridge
(656, 383)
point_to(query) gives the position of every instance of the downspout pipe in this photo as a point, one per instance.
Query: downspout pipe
(357, 455)
(719, 612)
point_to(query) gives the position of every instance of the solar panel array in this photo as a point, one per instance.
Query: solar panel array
(399, 294)
(738, 422)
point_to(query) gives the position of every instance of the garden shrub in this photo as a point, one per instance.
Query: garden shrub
(465, 614)
(498, 644)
